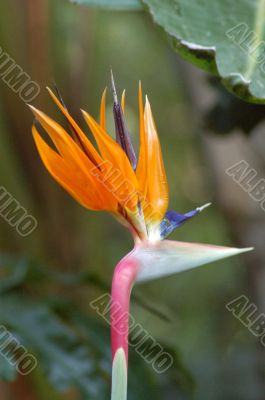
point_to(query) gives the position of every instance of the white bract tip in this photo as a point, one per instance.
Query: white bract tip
(203, 207)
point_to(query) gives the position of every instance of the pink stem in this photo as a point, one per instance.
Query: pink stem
(122, 283)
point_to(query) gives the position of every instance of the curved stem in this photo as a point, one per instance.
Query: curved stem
(122, 282)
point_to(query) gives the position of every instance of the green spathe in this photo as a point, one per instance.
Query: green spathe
(119, 376)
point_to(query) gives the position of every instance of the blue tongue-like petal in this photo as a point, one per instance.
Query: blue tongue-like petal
(122, 134)
(174, 220)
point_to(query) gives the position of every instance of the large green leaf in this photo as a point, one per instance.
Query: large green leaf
(112, 4)
(222, 36)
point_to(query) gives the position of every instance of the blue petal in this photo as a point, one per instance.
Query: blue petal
(174, 220)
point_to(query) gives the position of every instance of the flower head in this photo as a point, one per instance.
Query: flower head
(109, 177)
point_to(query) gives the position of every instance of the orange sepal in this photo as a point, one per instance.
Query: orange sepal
(82, 187)
(103, 110)
(119, 173)
(141, 170)
(66, 146)
(157, 187)
(89, 148)
(123, 101)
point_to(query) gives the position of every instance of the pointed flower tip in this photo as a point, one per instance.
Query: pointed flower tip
(203, 207)
(113, 87)
(34, 110)
(53, 96)
(31, 106)
(245, 249)
(85, 114)
(235, 250)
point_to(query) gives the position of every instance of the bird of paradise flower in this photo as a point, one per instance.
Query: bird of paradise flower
(111, 179)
